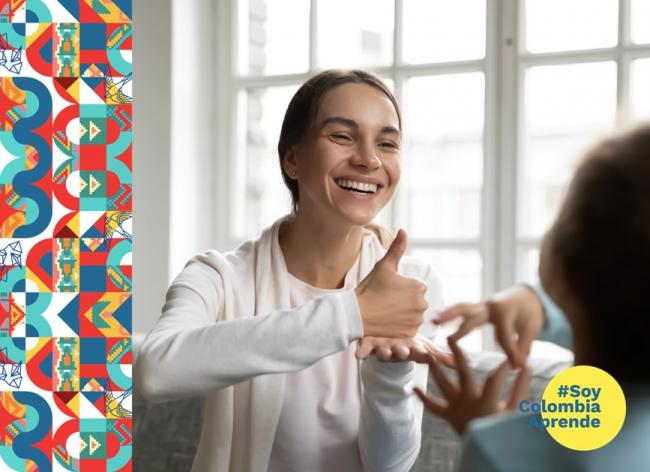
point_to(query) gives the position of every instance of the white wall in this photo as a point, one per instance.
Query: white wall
(175, 178)
(151, 153)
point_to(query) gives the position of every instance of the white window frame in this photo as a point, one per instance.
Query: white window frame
(504, 68)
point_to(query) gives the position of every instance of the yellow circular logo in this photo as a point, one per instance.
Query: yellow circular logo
(583, 408)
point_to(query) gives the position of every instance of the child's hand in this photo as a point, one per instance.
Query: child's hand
(517, 316)
(465, 402)
(418, 349)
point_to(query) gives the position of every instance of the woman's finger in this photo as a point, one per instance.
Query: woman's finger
(384, 353)
(432, 404)
(465, 375)
(366, 345)
(400, 351)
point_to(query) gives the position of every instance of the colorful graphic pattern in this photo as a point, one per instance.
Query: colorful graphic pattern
(65, 235)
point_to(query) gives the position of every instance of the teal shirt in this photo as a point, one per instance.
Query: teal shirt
(505, 443)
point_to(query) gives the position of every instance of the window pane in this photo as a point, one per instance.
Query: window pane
(460, 274)
(443, 31)
(566, 108)
(355, 34)
(641, 21)
(640, 89)
(443, 159)
(263, 196)
(560, 25)
(274, 35)
(527, 265)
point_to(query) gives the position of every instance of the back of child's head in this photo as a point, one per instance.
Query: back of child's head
(602, 241)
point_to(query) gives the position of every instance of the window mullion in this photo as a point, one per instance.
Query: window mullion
(313, 35)
(622, 60)
(511, 106)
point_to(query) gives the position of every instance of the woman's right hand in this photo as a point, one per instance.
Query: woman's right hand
(391, 305)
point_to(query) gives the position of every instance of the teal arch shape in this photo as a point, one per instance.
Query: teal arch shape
(14, 353)
(117, 252)
(38, 8)
(115, 149)
(118, 377)
(34, 315)
(15, 276)
(10, 144)
(120, 460)
(11, 459)
(11, 169)
(117, 61)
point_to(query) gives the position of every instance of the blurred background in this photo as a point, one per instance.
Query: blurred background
(499, 97)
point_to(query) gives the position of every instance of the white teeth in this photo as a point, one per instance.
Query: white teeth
(363, 186)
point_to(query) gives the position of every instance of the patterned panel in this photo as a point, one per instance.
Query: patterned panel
(65, 235)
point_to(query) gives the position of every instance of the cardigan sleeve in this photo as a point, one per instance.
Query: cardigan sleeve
(190, 352)
(556, 327)
(390, 427)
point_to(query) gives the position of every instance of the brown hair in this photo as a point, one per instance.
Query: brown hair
(304, 106)
(602, 240)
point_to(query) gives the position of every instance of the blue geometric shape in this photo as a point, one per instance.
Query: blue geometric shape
(125, 6)
(93, 36)
(92, 278)
(123, 314)
(72, 6)
(92, 350)
(70, 314)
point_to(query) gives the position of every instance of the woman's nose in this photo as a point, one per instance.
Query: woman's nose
(366, 156)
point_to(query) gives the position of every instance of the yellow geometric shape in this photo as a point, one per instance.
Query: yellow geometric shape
(30, 276)
(74, 404)
(82, 445)
(74, 90)
(73, 224)
(82, 130)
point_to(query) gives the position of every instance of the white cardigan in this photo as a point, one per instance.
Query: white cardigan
(226, 324)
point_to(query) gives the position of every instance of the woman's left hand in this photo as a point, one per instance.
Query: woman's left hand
(418, 349)
(465, 402)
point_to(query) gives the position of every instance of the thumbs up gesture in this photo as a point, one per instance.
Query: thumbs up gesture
(391, 305)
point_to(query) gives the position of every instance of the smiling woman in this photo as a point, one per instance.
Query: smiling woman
(268, 333)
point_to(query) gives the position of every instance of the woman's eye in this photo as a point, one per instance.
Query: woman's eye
(341, 137)
(390, 145)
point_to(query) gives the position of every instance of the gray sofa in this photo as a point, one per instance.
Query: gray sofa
(165, 435)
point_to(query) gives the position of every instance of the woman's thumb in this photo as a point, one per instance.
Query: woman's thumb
(395, 251)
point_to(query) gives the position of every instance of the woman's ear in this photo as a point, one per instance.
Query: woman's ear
(289, 164)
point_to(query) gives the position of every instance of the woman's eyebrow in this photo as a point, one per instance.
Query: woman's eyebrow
(353, 124)
(390, 130)
(340, 120)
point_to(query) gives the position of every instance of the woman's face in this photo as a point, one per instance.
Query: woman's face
(348, 164)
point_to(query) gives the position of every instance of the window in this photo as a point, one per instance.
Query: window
(499, 99)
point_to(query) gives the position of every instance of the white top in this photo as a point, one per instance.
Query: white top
(319, 423)
(228, 333)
